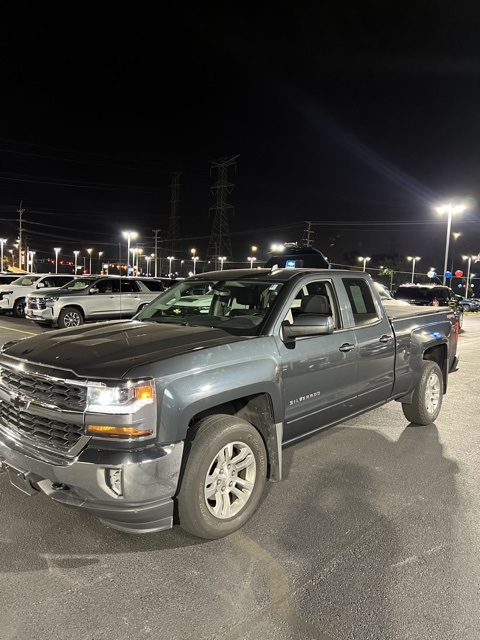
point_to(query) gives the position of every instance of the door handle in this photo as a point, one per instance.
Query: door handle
(386, 338)
(346, 346)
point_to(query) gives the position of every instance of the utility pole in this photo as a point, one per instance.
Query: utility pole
(307, 241)
(156, 232)
(20, 239)
(219, 244)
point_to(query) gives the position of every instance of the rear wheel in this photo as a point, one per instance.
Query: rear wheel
(70, 317)
(223, 478)
(428, 396)
(19, 308)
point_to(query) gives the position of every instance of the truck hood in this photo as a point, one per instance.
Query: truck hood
(111, 349)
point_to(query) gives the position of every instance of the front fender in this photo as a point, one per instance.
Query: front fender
(220, 375)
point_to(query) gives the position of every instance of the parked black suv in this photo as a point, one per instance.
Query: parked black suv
(431, 295)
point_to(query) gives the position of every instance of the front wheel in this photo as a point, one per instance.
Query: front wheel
(19, 308)
(70, 317)
(427, 397)
(223, 478)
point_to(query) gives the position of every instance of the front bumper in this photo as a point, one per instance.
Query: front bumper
(130, 491)
(43, 315)
(5, 304)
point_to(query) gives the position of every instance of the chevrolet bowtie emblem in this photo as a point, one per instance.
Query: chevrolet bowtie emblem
(177, 311)
(20, 402)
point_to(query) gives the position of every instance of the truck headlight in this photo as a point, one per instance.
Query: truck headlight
(128, 398)
(51, 298)
(126, 411)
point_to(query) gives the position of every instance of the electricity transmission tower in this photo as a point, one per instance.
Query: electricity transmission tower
(219, 244)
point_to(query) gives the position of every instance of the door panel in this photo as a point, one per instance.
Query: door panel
(319, 381)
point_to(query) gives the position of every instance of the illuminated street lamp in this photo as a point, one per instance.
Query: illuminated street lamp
(100, 254)
(414, 260)
(222, 260)
(89, 251)
(30, 260)
(75, 253)
(129, 235)
(469, 258)
(148, 258)
(365, 260)
(134, 253)
(252, 260)
(57, 251)
(450, 209)
(170, 258)
(195, 258)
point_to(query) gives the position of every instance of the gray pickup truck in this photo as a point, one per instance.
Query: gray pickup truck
(179, 415)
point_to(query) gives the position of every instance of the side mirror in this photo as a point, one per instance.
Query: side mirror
(93, 290)
(40, 285)
(307, 325)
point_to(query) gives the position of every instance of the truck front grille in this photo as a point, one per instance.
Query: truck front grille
(38, 304)
(68, 396)
(61, 436)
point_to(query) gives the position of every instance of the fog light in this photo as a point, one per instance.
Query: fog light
(114, 481)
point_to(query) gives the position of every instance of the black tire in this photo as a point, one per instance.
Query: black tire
(70, 317)
(428, 396)
(19, 308)
(217, 508)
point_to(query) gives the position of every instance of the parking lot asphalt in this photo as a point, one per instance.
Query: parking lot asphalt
(374, 533)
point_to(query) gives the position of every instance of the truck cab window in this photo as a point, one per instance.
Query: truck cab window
(361, 300)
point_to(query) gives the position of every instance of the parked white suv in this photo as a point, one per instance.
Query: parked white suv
(92, 298)
(13, 295)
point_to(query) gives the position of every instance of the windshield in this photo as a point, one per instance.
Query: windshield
(238, 306)
(78, 284)
(25, 281)
(412, 293)
(383, 291)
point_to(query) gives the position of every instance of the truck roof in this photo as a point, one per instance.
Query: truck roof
(276, 274)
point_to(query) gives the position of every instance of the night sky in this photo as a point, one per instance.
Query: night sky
(359, 118)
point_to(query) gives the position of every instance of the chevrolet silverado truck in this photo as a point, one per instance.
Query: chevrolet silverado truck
(179, 415)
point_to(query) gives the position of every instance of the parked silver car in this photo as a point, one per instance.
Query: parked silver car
(13, 295)
(92, 298)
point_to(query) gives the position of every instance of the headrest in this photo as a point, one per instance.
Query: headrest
(315, 304)
(249, 297)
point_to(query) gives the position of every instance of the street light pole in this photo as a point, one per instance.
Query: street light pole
(252, 260)
(365, 260)
(455, 236)
(469, 258)
(2, 241)
(89, 251)
(57, 251)
(222, 260)
(75, 253)
(170, 258)
(450, 210)
(129, 235)
(413, 265)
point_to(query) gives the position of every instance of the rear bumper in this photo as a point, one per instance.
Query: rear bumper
(130, 491)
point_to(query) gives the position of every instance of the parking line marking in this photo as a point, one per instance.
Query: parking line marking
(30, 333)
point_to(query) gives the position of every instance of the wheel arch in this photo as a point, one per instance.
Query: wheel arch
(256, 409)
(439, 354)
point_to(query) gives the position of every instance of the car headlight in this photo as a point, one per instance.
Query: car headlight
(126, 411)
(128, 398)
(51, 298)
